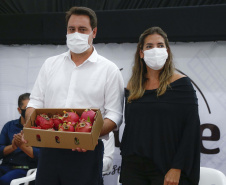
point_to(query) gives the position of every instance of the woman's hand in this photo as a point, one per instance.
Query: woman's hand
(172, 177)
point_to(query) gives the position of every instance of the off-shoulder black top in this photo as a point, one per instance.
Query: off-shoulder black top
(165, 129)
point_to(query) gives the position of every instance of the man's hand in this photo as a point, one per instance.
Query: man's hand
(22, 137)
(14, 144)
(172, 177)
(79, 150)
(21, 143)
(18, 140)
(10, 148)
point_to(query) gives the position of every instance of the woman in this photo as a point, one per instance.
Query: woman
(160, 144)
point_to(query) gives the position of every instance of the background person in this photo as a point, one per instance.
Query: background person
(16, 157)
(79, 78)
(160, 143)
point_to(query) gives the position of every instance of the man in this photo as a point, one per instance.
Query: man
(16, 157)
(79, 78)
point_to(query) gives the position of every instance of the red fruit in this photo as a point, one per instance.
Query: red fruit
(38, 127)
(88, 115)
(72, 117)
(67, 127)
(40, 118)
(83, 126)
(45, 123)
(57, 119)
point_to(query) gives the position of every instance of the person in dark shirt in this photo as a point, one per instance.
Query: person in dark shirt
(161, 139)
(17, 158)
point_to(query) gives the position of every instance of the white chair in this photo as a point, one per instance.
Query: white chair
(118, 183)
(210, 176)
(31, 174)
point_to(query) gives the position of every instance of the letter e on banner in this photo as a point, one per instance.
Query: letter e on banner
(215, 136)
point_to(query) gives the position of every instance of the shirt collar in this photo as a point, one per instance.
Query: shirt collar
(92, 57)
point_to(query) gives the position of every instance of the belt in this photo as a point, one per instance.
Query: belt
(21, 167)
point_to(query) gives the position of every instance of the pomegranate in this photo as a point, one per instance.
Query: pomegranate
(88, 115)
(66, 127)
(72, 117)
(83, 126)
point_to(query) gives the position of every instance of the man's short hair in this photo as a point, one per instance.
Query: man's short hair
(83, 11)
(22, 97)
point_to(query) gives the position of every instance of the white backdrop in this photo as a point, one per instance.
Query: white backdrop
(203, 62)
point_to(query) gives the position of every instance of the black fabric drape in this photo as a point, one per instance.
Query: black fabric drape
(44, 6)
(186, 24)
(138, 4)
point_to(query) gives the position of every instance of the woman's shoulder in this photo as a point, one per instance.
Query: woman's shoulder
(176, 76)
(179, 81)
(183, 89)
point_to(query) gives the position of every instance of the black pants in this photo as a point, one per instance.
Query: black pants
(67, 167)
(138, 170)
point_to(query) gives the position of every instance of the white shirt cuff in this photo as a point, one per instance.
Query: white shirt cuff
(115, 117)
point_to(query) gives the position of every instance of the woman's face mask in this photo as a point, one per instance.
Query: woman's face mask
(78, 42)
(155, 58)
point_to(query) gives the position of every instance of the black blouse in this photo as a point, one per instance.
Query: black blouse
(165, 129)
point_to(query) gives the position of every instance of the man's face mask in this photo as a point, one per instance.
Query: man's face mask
(23, 112)
(78, 42)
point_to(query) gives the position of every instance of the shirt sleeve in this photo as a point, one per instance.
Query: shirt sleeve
(114, 89)
(38, 92)
(36, 152)
(4, 141)
(187, 157)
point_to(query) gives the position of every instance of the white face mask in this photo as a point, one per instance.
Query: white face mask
(155, 58)
(78, 42)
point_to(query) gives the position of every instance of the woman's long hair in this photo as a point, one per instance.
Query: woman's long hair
(138, 79)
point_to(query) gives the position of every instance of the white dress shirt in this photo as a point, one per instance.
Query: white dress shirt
(96, 83)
